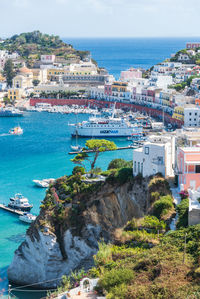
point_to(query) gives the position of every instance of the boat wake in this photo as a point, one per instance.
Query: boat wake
(5, 134)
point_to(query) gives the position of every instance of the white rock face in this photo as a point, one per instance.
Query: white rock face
(41, 261)
(40, 258)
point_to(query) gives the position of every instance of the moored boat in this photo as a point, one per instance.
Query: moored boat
(27, 217)
(19, 202)
(10, 112)
(43, 183)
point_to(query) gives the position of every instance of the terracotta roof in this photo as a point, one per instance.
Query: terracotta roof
(24, 70)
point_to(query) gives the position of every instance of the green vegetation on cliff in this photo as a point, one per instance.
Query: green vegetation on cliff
(31, 45)
(145, 260)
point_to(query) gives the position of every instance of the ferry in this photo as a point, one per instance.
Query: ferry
(104, 127)
(19, 202)
(10, 112)
(16, 131)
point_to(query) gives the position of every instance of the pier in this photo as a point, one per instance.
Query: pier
(18, 212)
(135, 145)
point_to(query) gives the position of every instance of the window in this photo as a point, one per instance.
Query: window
(190, 113)
(135, 166)
(146, 150)
(190, 119)
(195, 113)
(197, 169)
(141, 167)
(138, 167)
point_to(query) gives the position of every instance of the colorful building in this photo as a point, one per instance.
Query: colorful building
(15, 94)
(188, 167)
(193, 45)
(130, 74)
(178, 113)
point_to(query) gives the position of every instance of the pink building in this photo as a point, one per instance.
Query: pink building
(108, 89)
(188, 164)
(193, 45)
(48, 58)
(130, 74)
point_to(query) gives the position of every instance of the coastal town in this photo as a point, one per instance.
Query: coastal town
(109, 223)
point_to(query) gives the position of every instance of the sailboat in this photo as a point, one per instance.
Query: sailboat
(76, 147)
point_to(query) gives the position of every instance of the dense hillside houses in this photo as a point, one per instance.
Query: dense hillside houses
(169, 86)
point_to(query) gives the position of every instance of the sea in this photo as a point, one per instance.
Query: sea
(42, 151)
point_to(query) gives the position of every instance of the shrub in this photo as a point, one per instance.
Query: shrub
(119, 163)
(184, 194)
(153, 222)
(182, 210)
(116, 277)
(78, 169)
(154, 196)
(162, 206)
(124, 174)
(118, 292)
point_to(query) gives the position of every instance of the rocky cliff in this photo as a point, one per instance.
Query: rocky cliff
(65, 235)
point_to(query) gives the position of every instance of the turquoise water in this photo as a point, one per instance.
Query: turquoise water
(41, 152)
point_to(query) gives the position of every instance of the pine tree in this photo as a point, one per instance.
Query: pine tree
(9, 72)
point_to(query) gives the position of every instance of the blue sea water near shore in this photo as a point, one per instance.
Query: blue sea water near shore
(42, 151)
(117, 54)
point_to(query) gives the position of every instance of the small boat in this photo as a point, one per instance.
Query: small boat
(27, 217)
(16, 131)
(76, 148)
(19, 202)
(43, 183)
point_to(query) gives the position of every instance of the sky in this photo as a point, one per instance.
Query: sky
(101, 18)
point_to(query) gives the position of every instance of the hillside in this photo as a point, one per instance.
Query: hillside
(194, 59)
(33, 44)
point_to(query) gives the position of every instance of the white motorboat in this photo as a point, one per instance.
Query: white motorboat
(19, 202)
(27, 217)
(43, 183)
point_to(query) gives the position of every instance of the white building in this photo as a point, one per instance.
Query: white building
(160, 81)
(183, 57)
(191, 116)
(156, 155)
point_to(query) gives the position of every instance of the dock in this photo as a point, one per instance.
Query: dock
(3, 207)
(135, 145)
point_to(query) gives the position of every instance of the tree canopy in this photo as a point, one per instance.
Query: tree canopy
(9, 72)
(96, 146)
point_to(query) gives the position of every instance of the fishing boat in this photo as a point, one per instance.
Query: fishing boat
(16, 131)
(43, 183)
(19, 202)
(27, 217)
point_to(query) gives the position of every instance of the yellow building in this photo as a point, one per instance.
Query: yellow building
(40, 75)
(15, 94)
(178, 113)
(54, 73)
(119, 86)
